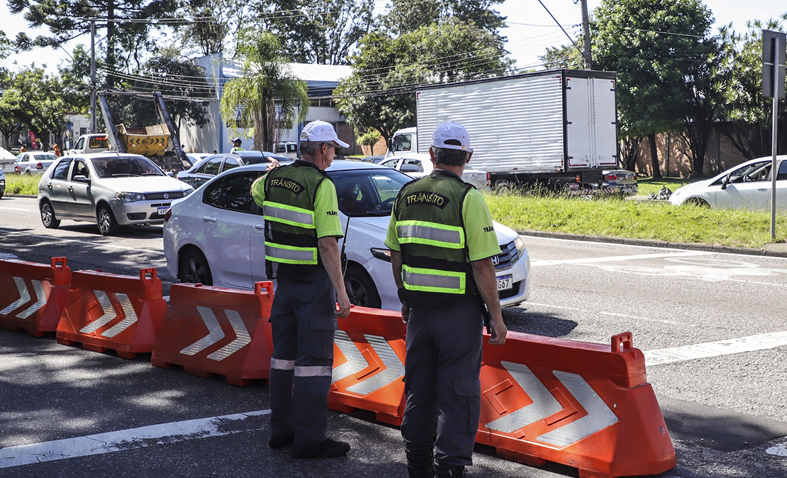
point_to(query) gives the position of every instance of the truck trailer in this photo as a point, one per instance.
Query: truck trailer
(557, 128)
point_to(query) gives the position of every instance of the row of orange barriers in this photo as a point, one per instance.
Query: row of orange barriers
(584, 405)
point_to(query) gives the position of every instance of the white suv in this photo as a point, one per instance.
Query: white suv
(215, 236)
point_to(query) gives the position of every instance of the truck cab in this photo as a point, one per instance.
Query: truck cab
(90, 143)
(404, 141)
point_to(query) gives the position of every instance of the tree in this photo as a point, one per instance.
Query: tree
(323, 31)
(370, 138)
(213, 21)
(747, 115)
(406, 16)
(380, 93)
(567, 57)
(653, 45)
(69, 19)
(264, 86)
(34, 99)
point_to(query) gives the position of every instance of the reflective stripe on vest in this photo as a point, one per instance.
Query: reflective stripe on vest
(291, 215)
(290, 254)
(430, 234)
(433, 280)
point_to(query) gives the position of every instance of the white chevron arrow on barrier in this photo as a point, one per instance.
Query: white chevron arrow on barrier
(129, 315)
(214, 332)
(24, 298)
(394, 368)
(599, 415)
(242, 337)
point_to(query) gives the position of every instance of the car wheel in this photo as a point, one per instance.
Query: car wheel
(360, 287)
(107, 224)
(28, 172)
(697, 202)
(48, 216)
(194, 268)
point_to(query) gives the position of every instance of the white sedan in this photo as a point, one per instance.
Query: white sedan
(216, 235)
(417, 165)
(746, 186)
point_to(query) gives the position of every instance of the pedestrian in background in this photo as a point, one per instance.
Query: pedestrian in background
(236, 145)
(301, 252)
(56, 149)
(442, 241)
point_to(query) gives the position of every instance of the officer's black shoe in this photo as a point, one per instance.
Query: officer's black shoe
(328, 449)
(281, 442)
(452, 471)
(420, 464)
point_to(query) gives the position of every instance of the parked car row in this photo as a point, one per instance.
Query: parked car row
(204, 169)
(31, 163)
(417, 165)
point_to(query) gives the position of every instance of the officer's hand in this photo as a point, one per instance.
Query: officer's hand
(405, 313)
(343, 306)
(498, 332)
(272, 164)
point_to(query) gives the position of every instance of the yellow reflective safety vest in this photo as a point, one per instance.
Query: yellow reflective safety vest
(288, 208)
(431, 234)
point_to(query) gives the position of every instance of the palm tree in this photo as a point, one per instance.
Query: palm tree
(266, 83)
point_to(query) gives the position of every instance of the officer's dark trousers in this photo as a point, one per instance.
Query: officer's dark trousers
(303, 321)
(441, 381)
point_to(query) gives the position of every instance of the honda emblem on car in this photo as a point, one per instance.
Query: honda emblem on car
(495, 260)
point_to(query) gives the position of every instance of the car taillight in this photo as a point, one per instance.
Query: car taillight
(17, 169)
(167, 215)
(39, 166)
(488, 180)
(635, 177)
(612, 176)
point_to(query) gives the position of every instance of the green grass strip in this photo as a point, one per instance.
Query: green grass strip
(636, 219)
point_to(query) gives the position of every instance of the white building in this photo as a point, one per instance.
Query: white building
(320, 81)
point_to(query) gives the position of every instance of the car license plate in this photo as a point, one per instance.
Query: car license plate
(505, 282)
(162, 210)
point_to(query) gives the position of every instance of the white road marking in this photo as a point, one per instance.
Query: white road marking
(628, 316)
(89, 243)
(607, 259)
(16, 209)
(120, 440)
(751, 343)
(779, 450)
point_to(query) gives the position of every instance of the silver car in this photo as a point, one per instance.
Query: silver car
(109, 189)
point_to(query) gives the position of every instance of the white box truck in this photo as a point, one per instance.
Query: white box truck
(554, 127)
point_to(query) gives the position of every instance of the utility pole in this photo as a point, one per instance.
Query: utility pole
(773, 65)
(93, 76)
(586, 35)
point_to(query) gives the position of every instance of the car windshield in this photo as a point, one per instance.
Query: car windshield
(120, 167)
(367, 192)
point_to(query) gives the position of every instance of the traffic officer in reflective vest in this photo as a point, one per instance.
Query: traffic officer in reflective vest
(442, 241)
(301, 230)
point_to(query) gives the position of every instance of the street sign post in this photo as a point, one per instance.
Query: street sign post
(773, 57)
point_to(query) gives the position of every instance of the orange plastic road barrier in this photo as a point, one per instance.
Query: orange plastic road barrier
(32, 295)
(113, 312)
(211, 330)
(584, 405)
(368, 367)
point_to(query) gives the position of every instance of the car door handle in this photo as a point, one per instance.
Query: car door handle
(208, 218)
(259, 227)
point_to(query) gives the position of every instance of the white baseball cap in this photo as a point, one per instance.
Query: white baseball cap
(451, 130)
(322, 132)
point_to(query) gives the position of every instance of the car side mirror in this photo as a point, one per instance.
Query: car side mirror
(725, 182)
(81, 178)
(170, 174)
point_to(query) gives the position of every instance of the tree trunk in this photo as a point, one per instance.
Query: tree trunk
(654, 156)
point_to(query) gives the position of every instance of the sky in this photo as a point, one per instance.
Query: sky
(531, 30)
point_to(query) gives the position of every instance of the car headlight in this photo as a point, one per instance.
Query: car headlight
(520, 246)
(188, 191)
(130, 197)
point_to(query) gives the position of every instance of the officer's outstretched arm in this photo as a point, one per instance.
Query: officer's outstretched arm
(329, 252)
(485, 279)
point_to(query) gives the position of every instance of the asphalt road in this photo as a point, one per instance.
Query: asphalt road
(711, 325)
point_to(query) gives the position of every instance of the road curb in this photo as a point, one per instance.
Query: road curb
(657, 243)
(12, 195)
